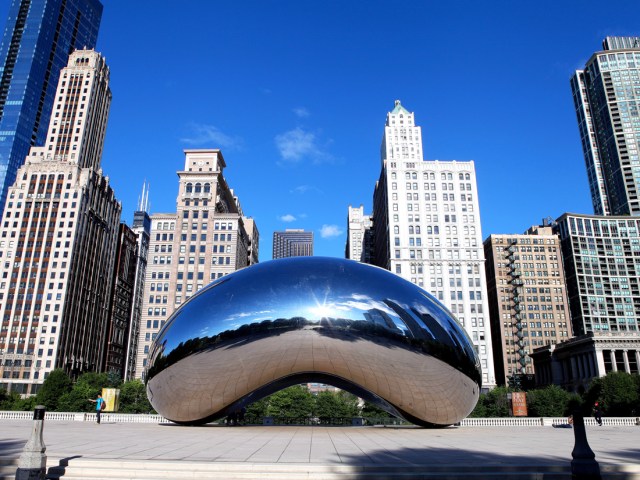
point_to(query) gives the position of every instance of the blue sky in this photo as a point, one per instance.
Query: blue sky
(295, 94)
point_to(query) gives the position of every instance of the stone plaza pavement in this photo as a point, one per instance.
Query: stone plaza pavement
(398, 449)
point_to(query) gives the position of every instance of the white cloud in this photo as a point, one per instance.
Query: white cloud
(328, 231)
(211, 136)
(287, 218)
(302, 189)
(301, 112)
(298, 144)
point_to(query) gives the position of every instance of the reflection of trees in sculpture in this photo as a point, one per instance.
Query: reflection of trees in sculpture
(248, 333)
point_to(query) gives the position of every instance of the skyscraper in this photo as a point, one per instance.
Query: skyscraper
(359, 235)
(292, 243)
(426, 224)
(528, 302)
(142, 229)
(38, 38)
(122, 299)
(606, 95)
(602, 264)
(208, 237)
(59, 238)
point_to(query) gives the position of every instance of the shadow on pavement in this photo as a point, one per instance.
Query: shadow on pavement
(11, 447)
(410, 463)
(59, 470)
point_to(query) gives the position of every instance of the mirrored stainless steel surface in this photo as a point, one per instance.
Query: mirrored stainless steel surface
(335, 321)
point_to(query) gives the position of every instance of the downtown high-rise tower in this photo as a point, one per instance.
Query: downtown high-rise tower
(38, 38)
(426, 228)
(606, 95)
(59, 238)
(206, 238)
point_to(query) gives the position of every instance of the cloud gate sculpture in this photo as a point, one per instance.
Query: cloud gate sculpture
(313, 319)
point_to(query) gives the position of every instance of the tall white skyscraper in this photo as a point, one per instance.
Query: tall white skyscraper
(359, 235)
(427, 228)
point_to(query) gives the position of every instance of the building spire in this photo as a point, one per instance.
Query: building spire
(143, 200)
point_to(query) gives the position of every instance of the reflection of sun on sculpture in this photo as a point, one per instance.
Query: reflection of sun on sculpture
(312, 319)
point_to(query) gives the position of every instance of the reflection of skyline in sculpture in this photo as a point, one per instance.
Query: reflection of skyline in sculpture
(380, 317)
(312, 319)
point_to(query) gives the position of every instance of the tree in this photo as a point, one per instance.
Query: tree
(23, 404)
(5, 399)
(617, 393)
(551, 401)
(335, 404)
(492, 404)
(13, 401)
(133, 398)
(258, 408)
(88, 386)
(77, 400)
(113, 380)
(97, 381)
(295, 401)
(371, 410)
(53, 388)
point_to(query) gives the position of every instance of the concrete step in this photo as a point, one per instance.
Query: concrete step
(8, 466)
(154, 470)
(157, 470)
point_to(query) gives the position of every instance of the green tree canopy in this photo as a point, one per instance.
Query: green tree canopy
(551, 401)
(88, 386)
(258, 408)
(617, 393)
(370, 410)
(133, 398)
(77, 400)
(492, 404)
(96, 381)
(53, 388)
(295, 402)
(330, 404)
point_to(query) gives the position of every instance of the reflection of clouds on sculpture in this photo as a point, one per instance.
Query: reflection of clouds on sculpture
(362, 303)
(237, 316)
(335, 321)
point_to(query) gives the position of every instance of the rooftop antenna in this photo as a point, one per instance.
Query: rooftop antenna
(143, 200)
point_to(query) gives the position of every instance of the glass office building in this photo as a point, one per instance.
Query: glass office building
(39, 36)
(606, 95)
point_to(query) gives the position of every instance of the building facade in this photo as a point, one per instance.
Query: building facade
(122, 297)
(427, 228)
(142, 229)
(292, 243)
(528, 304)
(208, 237)
(59, 237)
(606, 95)
(38, 37)
(359, 235)
(574, 363)
(602, 266)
